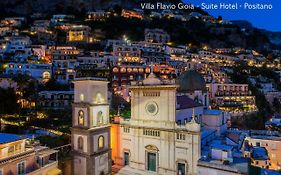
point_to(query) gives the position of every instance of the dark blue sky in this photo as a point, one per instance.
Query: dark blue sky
(264, 19)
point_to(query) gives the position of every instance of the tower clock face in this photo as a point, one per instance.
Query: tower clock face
(151, 108)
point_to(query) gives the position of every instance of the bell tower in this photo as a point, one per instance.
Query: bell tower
(90, 132)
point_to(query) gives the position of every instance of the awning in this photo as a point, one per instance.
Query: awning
(54, 171)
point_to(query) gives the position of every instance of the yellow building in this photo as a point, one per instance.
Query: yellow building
(79, 34)
(18, 156)
(272, 146)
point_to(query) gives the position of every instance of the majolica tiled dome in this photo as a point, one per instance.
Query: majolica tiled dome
(191, 81)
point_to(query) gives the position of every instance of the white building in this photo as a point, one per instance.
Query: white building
(151, 141)
(17, 43)
(61, 18)
(39, 51)
(64, 60)
(156, 35)
(56, 99)
(38, 71)
(100, 59)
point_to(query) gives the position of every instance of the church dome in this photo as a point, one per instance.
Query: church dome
(191, 81)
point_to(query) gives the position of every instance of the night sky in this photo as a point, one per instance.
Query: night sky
(264, 19)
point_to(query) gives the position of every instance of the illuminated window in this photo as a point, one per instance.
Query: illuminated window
(81, 117)
(81, 97)
(123, 70)
(147, 70)
(129, 69)
(11, 150)
(115, 69)
(46, 75)
(17, 147)
(80, 143)
(99, 98)
(101, 142)
(100, 118)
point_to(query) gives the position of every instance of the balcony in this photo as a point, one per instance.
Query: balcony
(9, 157)
(49, 169)
(231, 93)
(47, 162)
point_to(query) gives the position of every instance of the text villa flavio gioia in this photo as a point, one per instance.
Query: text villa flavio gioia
(163, 6)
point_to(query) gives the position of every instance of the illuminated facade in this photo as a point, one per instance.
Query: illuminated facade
(64, 61)
(98, 16)
(272, 154)
(79, 34)
(233, 98)
(91, 128)
(120, 51)
(42, 72)
(124, 74)
(151, 141)
(220, 59)
(131, 14)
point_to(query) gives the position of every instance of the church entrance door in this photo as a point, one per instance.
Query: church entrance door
(151, 161)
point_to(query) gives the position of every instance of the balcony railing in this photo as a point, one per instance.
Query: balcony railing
(219, 94)
(47, 167)
(16, 155)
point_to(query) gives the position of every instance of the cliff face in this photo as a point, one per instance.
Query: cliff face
(274, 37)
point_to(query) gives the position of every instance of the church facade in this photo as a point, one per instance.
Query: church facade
(151, 141)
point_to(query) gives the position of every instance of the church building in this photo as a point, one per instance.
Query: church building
(162, 136)
(151, 140)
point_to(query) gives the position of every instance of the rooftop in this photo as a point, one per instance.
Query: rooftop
(6, 138)
(239, 165)
(259, 153)
(184, 102)
(221, 146)
(212, 112)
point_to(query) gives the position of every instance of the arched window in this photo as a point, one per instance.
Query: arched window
(101, 142)
(80, 143)
(46, 75)
(80, 117)
(99, 118)
(99, 98)
(115, 69)
(123, 69)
